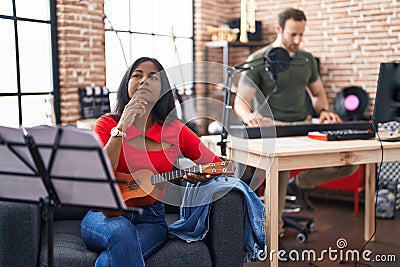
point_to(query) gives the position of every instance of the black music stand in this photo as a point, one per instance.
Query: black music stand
(56, 166)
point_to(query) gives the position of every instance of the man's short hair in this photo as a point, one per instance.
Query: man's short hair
(291, 13)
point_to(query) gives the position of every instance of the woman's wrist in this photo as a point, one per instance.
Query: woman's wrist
(120, 126)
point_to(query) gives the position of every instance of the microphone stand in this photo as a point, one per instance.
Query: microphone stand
(230, 73)
(275, 61)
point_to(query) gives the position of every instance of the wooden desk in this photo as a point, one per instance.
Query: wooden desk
(86, 123)
(291, 153)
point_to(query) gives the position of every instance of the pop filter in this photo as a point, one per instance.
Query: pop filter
(277, 60)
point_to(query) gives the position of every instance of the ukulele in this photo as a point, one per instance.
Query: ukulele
(142, 183)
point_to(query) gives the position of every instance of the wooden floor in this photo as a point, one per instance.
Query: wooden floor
(334, 220)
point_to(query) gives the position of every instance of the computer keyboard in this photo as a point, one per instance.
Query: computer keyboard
(345, 134)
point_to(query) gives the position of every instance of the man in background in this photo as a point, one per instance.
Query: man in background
(288, 103)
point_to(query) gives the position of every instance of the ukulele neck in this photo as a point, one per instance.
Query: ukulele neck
(173, 175)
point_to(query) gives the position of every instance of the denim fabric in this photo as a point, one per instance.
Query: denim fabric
(193, 222)
(126, 240)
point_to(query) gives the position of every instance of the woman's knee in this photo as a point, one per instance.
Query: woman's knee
(121, 228)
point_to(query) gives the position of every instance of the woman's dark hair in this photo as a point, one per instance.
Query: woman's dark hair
(164, 110)
(290, 13)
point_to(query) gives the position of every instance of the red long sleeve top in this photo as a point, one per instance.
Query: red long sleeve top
(179, 136)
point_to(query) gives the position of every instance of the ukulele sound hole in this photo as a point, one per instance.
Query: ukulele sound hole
(133, 185)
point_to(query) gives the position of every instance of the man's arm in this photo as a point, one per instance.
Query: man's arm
(320, 103)
(243, 100)
(242, 106)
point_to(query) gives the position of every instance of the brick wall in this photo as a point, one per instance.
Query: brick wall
(81, 51)
(351, 38)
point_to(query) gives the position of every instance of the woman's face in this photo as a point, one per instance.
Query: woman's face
(145, 82)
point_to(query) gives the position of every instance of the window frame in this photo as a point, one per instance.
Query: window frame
(54, 61)
(132, 32)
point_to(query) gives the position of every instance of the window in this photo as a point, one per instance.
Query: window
(162, 29)
(28, 65)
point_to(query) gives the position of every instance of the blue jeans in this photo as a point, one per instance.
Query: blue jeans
(126, 240)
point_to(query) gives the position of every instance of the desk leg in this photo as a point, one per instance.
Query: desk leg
(272, 214)
(370, 185)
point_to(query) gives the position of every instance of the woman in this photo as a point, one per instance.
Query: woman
(144, 133)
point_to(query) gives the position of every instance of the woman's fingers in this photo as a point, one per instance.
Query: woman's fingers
(195, 178)
(136, 106)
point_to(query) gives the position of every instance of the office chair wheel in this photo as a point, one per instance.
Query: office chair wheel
(310, 227)
(301, 238)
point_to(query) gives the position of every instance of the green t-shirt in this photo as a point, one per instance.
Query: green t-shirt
(288, 103)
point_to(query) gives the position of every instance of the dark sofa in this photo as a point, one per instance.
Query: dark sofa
(23, 241)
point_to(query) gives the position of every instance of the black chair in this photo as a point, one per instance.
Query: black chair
(303, 224)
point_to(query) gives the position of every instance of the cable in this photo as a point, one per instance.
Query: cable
(119, 39)
(378, 173)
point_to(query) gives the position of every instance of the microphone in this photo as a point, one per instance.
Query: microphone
(277, 60)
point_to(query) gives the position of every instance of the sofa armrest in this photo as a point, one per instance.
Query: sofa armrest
(20, 234)
(225, 239)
